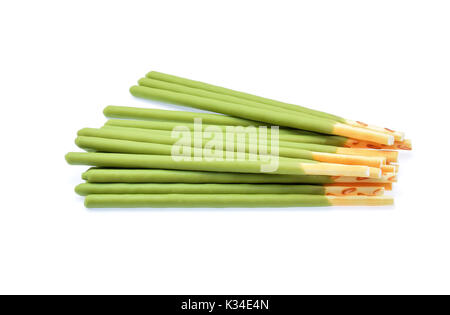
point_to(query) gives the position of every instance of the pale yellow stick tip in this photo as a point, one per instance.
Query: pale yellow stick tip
(361, 200)
(375, 172)
(354, 190)
(335, 169)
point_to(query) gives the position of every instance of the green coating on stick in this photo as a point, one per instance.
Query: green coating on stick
(171, 115)
(135, 141)
(169, 126)
(284, 135)
(285, 166)
(164, 117)
(310, 146)
(220, 90)
(153, 188)
(164, 138)
(122, 146)
(268, 116)
(125, 146)
(125, 133)
(205, 201)
(146, 134)
(100, 175)
(163, 85)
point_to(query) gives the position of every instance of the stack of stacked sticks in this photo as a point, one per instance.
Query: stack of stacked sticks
(321, 159)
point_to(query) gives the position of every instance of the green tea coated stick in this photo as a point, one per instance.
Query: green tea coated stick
(167, 162)
(141, 134)
(135, 147)
(222, 129)
(264, 115)
(283, 166)
(161, 137)
(286, 148)
(162, 117)
(213, 189)
(99, 175)
(276, 105)
(172, 115)
(130, 141)
(358, 156)
(158, 188)
(229, 201)
(158, 84)
(305, 122)
(220, 90)
(170, 125)
(284, 135)
(164, 145)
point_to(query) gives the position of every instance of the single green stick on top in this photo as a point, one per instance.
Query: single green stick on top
(114, 175)
(158, 188)
(172, 115)
(229, 201)
(213, 189)
(204, 201)
(98, 175)
(281, 166)
(220, 90)
(167, 162)
(170, 125)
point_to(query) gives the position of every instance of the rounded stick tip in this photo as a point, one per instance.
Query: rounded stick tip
(79, 190)
(133, 90)
(68, 157)
(78, 141)
(106, 110)
(73, 158)
(82, 131)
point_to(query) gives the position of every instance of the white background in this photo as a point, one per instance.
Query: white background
(385, 62)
